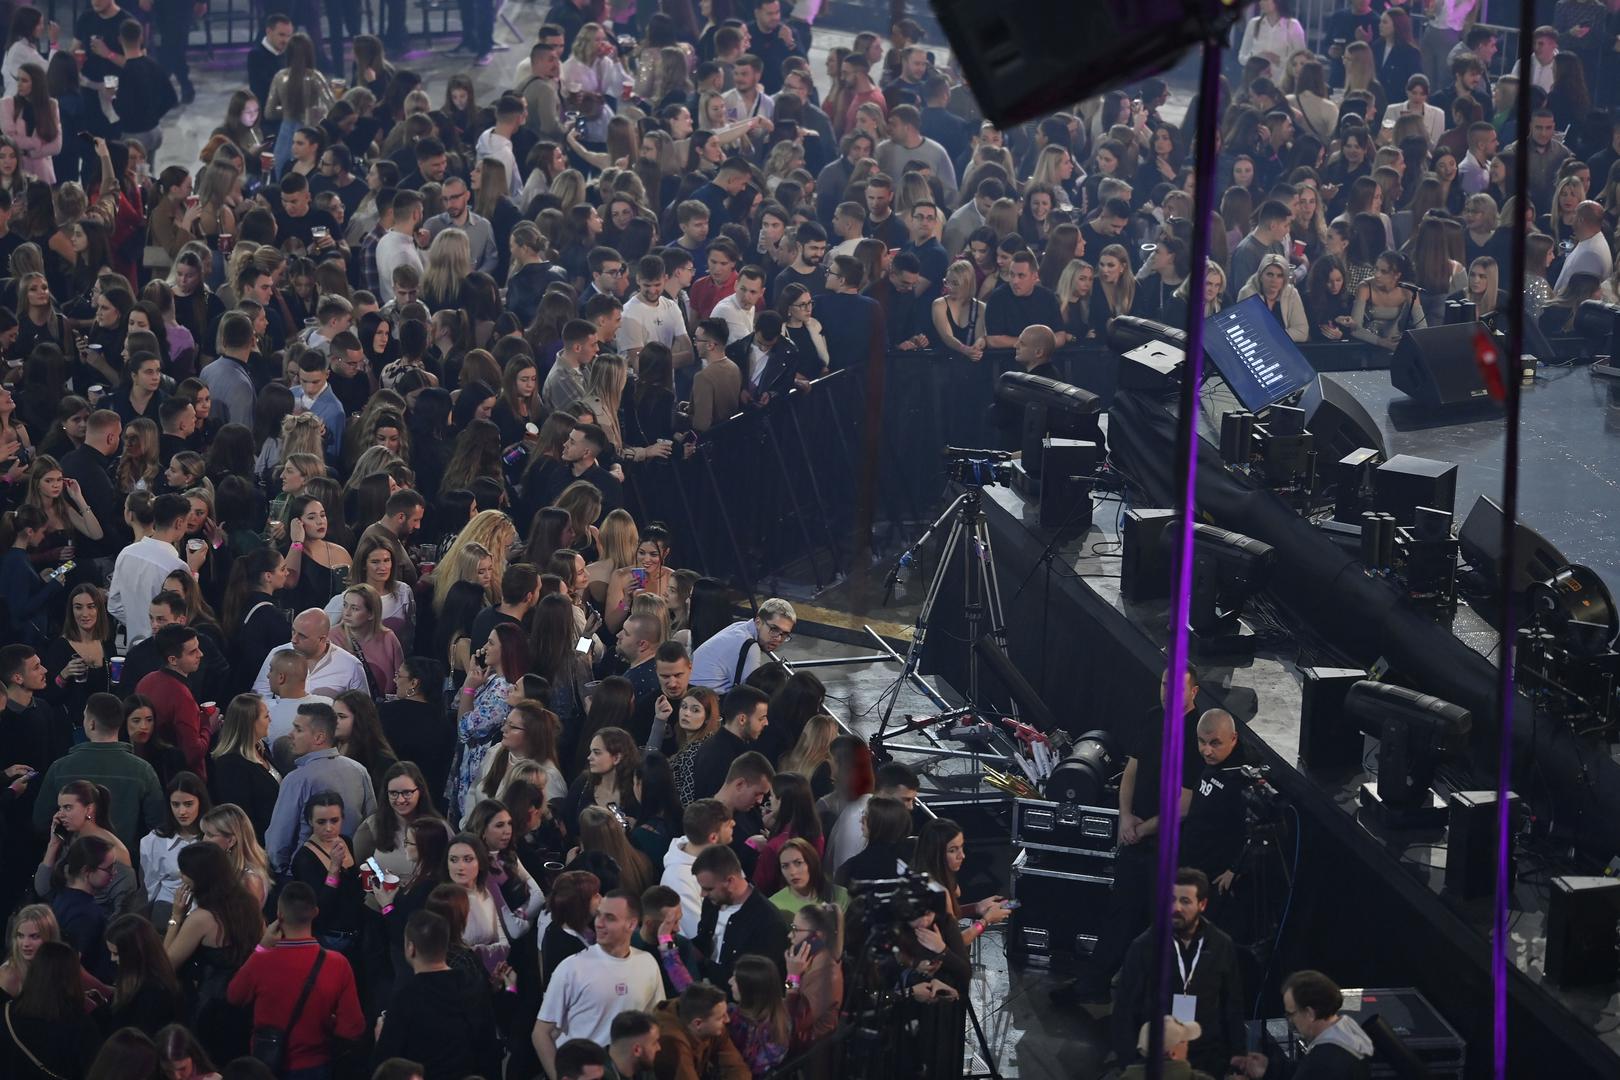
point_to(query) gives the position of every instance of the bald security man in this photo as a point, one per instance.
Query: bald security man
(1213, 834)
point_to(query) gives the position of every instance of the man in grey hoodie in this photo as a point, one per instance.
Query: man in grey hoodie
(1335, 1046)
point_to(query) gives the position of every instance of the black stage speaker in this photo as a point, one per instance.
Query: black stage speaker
(1534, 557)
(1145, 566)
(1583, 947)
(1405, 482)
(1327, 740)
(1435, 365)
(1338, 421)
(1471, 842)
(1024, 60)
(1068, 467)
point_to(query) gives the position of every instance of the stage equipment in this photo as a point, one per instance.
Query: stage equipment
(1460, 311)
(1377, 540)
(1128, 332)
(968, 535)
(1414, 732)
(1228, 568)
(1084, 775)
(1237, 438)
(1327, 738)
(1286, 450)
(1025, 60)
(1435, 365)
(1025, 702)
(1583, 944)
(1068, 468)
(1050, 408)
(1595, 319)
(1145, 563)
(1426, 558)
(1353, 487)
(1254, 354)
(1471, 842)
(1058, 825)
(1404, 483)
(1576, 607)
(1534, 557)
(1339, 422)
(1063, 904)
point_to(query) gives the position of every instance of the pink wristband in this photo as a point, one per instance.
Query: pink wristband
(297, 545)
(387, 908)
(331, 881)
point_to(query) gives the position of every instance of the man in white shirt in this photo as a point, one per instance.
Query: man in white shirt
(142, 567)
(720, 662)
(289, 675)
(706, 822)
(510, 113)
(848, 836)
(747, 99)
(1544, 47)
(1591, 254)
(331, 669)
(398, 245)
(651, 316)
(741, 306)
(592, 987)
(1474, 171)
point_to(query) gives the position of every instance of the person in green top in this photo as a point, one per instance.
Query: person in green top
(138, 803)
(807, 882)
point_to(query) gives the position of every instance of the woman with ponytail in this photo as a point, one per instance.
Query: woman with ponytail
(260, 626)
(82, 811)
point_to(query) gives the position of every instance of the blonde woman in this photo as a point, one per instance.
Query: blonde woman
(463, 585)
(811, 756)
(1482, 289)
(1361, 73)
(139, 466)
(590, 74)
(958, 315)
(240, 769)
(618, 542)
(1075, 289)
(299, 97)
(569, 188)
(228, 826)
(495, 531)
(1271, 283)
(297, 470)
(449, 261)
(1175, 311)
(359, 628)
(466, 561)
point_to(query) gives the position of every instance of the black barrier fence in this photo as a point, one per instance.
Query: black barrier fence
(802, 488)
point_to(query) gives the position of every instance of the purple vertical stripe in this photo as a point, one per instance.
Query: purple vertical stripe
(1507, 655)
(1175, 703)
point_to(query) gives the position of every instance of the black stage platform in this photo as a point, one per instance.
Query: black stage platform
(1367, 908)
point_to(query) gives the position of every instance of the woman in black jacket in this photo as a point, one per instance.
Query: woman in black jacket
(146, 994)
(240, 771)
(260, 625)
(46, 1034)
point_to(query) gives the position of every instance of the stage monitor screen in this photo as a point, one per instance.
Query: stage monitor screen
(1255, 355)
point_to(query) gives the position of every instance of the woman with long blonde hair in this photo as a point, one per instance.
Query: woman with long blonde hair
(466, 561)
(1115, 280)
(617, 543)
(1483, 286)
(811, 756)
(228, 826)
(449, 261)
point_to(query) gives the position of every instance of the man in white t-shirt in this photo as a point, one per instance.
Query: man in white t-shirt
(651, 316)
(590, 988)
(142, 567)
(740, 308)
(848, 836)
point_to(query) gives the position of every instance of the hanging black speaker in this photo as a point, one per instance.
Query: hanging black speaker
(1027, 59)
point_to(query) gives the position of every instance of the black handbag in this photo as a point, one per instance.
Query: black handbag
(269, 1044)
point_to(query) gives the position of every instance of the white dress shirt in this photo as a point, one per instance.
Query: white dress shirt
(138, 576)
(338, 670)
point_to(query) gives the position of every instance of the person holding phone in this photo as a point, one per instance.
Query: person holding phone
(815, 976)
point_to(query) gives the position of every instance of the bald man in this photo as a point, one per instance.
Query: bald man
(289, 688)
(1212, 835)
(1591, 252)
(1035, 348)
(331, 669)
(1034, 356)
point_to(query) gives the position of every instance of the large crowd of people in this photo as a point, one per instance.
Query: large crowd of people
(356, 711)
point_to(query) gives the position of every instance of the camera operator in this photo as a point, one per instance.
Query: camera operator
(1212, 836)
(1205, 969)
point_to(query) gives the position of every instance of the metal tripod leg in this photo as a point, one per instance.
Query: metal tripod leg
(919, 632)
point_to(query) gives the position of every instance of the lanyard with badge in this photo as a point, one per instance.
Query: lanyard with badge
(1184, 1006)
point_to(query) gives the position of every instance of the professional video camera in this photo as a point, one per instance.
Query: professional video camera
(978, 468)
(1262, 803)
(894, 901)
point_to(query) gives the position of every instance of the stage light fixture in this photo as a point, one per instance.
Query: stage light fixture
(1228, 568)
(1576, 607)
(1082, 777)
(1414, 731)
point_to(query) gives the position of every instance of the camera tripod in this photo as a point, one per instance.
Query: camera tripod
(969, 536)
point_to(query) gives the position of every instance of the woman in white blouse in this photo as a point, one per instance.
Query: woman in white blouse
(593, 68)
(160, 849)
(30, 119)
(1273, 34)
(28, 32)
(491, 925)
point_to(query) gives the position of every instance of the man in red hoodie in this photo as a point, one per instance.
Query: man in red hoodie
(274, 977)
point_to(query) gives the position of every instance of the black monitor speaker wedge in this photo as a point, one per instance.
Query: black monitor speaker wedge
(1027, 59)
(1534, 556)
(1339, 422)
(1435, 366)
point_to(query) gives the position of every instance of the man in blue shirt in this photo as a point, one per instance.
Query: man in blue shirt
(852, 323)
(318, 767)
(733, 176)
(318, 398)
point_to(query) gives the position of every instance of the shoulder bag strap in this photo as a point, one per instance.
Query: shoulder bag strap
(303, 995)
(29, 1054)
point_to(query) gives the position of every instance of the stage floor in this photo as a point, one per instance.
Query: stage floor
(1569, 455)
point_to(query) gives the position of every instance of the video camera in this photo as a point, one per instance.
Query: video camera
(1261, 802)
(894, 901)
(978, 468)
